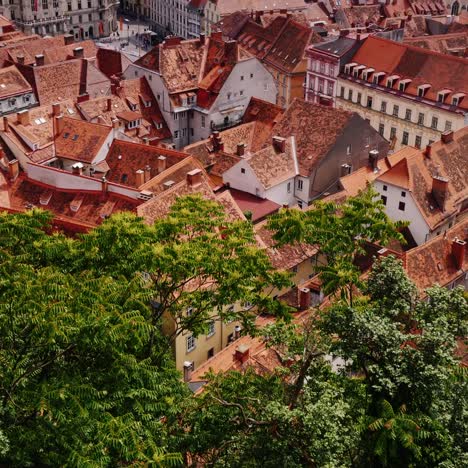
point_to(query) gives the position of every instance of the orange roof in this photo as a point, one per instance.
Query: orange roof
(421, 66)
(397, 175)
(12, 83)
(80, 140)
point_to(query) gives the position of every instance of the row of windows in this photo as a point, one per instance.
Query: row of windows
(322, 86)
(322, 67)
(182, 133)
(395, 110)
(191, 341)
(405, 137)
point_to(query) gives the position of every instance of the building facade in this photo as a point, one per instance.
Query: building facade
(407, 105)
(82, 18)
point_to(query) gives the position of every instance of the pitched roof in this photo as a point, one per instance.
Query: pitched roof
(80, 140)
(434, 262)
(125, 158)
(226, 7)
(272, 166)
(259, 207)
(421, 66)
(111, 62)
(12, 82)
(311, 146)
(455, 43)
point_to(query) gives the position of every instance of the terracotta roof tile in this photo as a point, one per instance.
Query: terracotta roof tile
(111, 62)
(259, 207)
(12, 82)
(456, 43)
(80, 140)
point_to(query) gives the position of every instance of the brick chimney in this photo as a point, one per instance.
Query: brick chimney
(459, 252)
(161, 164)
(20, 59)
(56, 109)
(13, 169)
(77, 168)
(147, 173)
(304, 298)
(202, 38)
(78, 52)
(428, 151)
(105, 185)
(374, 159)
(447, 137)
(194, 178)
(109, 104)
(140, 177)
(68, 39)
(188, 368)
(23, 117)
(6, 126)
(242, 354)
(218, 144)
(115, 123)
(240, 149)
(237, 332)
(59, 124)
(440, 190)
(279, 143)
(230, 47)
(39, 60)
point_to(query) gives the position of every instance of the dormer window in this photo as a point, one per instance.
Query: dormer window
(349, 68)
(422, 90)
(377, 77)
(441, 95)
(457, 99)
(391, 81)
(402, 85)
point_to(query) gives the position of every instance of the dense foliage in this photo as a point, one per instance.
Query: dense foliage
(87, 378)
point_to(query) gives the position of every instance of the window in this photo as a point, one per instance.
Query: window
(381, 129)
(242, 170)
(348, 150)
(383, 106)
(401, 206)
(211, 328)
(420, 118)
(299, 204)
(342, 91)
(434, 123)
(241, 92)
(320, 85)
(350, 94)
(330, 88)
(176, 134)
(136, 72)
(448, 126)
(190, 343)
(385, 188)
(359, 98)
(392, 133)
(251, 75)
(369, 102)
(265, 87)
(210, 353)
(331, 70)
(403, 194)
(176, 116)
(322, 68)
(242, 77)
(203, 121)
(417, 142)
(408, 114)
(300, 184)
(384, 200)
(396, 110)
(289, 187)
(440, 97)
(294, 269)
(405, 138)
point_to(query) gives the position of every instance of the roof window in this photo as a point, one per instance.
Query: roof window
(75, 137)
(66, 135)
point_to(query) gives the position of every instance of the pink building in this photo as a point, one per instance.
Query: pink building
(323, 67)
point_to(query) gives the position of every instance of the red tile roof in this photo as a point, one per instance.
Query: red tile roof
(455, 43)
(12, 83)
(80, 140)
(259, 207)
(421, 66)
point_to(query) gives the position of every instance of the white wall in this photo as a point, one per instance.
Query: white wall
(21, 102)
(279, 193)
(418, 226)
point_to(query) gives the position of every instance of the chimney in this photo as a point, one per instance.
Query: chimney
(345, 170)
(56, 109)
(218, 144)
(279, 144)
(82, 98)
(459, 252)
(237, 332)
(428, 151)
(147, 173)
(69, 39)
(23, 117)
(78, 52)
(374, 159)
(304, 298)
(447, 137)
(13, 169)
(105, 184)
(194, 178)
(59, 124)
(146, 140)
(77, 168)
(202, 38)
(242, 354)
(440, 190)
(229, 47)
(115, 123)
(39, 60)
(172, 41)
(109, 104)
(20, 59)
(188, 367)
(140, 177)
(6, 126)
(240, 149)
(161, 164)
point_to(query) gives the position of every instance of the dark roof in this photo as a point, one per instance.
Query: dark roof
(338, 47)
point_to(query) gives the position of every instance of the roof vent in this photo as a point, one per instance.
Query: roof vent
(145, 195)
(168, 184)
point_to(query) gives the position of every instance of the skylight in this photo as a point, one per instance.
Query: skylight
(75, 137)
(66, 135)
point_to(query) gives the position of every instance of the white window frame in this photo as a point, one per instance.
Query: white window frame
(190, 343)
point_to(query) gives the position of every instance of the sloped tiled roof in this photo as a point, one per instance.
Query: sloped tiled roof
(455, 43)
(12, 82)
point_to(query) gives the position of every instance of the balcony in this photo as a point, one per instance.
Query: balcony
(225, 125)
(43, 21)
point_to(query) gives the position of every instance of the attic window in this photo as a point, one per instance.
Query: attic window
(66, 135)
(403, 84)
(423, 89)
(75, 137)
(441, 95)
(457, 99)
